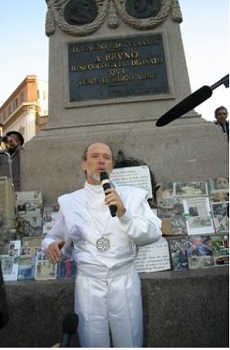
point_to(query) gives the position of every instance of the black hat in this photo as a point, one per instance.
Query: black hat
(21, 138)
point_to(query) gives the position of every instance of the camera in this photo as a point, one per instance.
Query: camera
(3, 139)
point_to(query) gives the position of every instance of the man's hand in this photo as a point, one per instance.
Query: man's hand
(53, 252)
(112, 198)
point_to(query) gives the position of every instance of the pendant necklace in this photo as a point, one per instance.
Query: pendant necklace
(102, 243)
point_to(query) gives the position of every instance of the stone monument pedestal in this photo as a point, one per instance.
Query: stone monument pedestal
(185, 150)
(113, 72)
(173, 315)
(110, 79)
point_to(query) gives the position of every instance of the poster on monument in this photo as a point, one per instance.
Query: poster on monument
(171, 213)
(31, 246)
(174, 226)
(50, 215)
(190, 189)
(26, 267)
(178, 250)
(198, 217)
(44, 269)
(153, 257)
(29, 212)
(221, 249)
(218, 189)
(221, 216)
(218, 185)
(208, 251)
(10, 261)
(165, 196)
(138, 176)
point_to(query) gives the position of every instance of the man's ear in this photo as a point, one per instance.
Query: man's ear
(83, 165)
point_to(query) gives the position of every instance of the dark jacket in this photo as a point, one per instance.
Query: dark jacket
(224, 127)
(10, 165)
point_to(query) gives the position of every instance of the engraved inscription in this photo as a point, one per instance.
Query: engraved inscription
(117, 68)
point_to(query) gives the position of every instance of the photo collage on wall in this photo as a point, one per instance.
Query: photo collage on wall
(195, 227)
(195, 220)
(28, 262)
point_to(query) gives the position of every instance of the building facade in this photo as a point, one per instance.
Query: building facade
(26, 109)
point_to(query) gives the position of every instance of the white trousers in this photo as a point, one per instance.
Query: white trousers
(109, 306)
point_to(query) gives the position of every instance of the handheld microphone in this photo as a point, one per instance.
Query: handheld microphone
(191, 101)
(69, 327)
(104, 177)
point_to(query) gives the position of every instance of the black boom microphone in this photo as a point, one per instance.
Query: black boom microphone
(191, 102)
(104, 177)
(69, 327)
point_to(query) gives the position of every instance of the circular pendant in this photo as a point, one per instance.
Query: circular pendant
(103, 244)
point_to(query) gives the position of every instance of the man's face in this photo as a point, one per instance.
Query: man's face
(99, 158)
(221, 116)
(12, 141)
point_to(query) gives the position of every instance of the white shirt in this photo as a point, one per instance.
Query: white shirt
(84, 218)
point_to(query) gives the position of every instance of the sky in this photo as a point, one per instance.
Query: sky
(204, 30)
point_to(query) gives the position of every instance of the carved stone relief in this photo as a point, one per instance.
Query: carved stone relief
(83, 17)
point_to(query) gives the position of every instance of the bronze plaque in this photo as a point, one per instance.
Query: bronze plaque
(122, 67)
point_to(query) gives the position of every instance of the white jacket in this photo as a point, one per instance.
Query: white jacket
(84, 218)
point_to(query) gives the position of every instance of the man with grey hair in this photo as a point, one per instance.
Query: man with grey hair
(221, 115)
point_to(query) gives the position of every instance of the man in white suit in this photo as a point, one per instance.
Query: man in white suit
(108, 289)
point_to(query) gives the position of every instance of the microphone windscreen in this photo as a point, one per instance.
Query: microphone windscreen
(104, 176)
(69, 324)
(185, 105)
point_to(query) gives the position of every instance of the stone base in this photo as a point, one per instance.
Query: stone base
(187, 149)
(181, 309)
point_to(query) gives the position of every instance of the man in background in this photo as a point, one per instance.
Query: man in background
(10, 157)
(221, 115)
